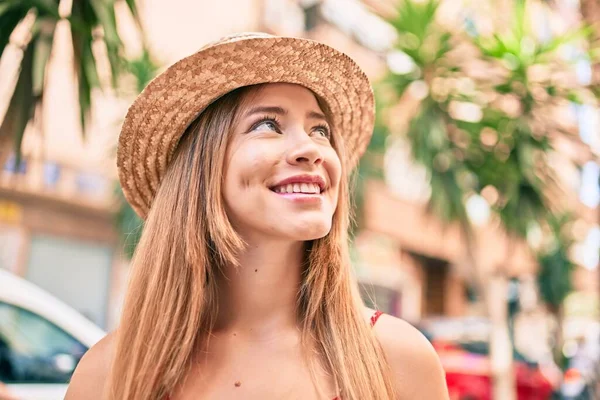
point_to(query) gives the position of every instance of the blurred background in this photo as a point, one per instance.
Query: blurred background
(477, 202)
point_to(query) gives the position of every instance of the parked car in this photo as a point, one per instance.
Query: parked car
(41, 340)
(465, 358)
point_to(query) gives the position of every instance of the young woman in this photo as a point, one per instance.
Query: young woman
(238, 157)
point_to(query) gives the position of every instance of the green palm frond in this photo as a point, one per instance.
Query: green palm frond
(144, 69)
(90, 21)
(417, 33)
(23, 102)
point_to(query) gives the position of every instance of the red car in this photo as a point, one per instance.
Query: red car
(468, 373)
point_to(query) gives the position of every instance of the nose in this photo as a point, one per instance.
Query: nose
(303, 150)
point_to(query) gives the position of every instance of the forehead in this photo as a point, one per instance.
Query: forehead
(282, 94)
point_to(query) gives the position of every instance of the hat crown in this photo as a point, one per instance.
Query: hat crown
(237, 37)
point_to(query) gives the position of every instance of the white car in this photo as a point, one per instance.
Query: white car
(41, 340)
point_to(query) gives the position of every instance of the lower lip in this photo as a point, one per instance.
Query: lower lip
(302, 198)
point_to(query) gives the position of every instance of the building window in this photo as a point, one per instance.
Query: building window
(435, 280)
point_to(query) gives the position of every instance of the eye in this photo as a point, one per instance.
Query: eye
(322, 130)
(266, 124)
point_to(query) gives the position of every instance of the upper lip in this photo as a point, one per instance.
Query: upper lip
(302, 179)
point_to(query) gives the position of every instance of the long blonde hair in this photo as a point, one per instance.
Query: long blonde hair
(171, 302)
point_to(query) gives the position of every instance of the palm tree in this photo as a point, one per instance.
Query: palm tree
(91, 21)
(484, 125)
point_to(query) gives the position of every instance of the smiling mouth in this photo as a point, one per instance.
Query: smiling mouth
(305, 188)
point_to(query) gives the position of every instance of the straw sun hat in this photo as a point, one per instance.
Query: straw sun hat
(161, 113)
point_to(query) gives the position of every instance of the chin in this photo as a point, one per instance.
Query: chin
(311, 230)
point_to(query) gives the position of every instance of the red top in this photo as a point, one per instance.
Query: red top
(374, 319)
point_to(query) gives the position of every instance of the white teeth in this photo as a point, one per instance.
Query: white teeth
(308, 188)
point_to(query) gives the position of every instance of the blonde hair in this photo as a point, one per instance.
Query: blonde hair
(171, 303)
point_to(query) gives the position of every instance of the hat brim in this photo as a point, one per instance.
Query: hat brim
(173, 100)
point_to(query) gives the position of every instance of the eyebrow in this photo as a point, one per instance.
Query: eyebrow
(281, 111)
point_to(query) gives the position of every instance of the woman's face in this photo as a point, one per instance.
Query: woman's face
(282, 174)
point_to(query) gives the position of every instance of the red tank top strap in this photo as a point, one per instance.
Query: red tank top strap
(375, 317)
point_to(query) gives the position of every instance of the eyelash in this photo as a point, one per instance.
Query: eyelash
(264, 119)
(277, 123)
(326, 129)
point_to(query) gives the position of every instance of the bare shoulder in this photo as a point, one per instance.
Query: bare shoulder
(415, 364)
(91, 373)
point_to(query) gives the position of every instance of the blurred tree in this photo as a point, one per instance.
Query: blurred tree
(91, 22)
(485, 125)
(554, 277)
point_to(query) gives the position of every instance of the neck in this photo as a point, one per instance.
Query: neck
(260, 295)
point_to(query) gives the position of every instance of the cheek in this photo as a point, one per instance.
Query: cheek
(238, 177)
(333, 165)
(247, 167)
